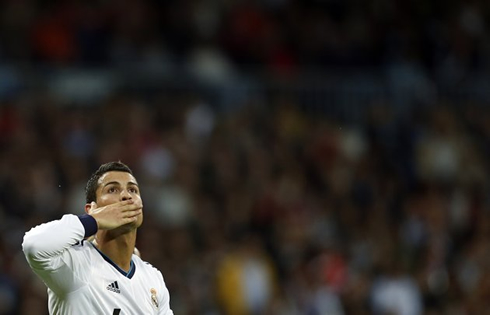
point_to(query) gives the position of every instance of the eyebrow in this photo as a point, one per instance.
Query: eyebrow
(119, 184)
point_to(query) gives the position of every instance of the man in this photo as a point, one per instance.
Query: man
(102, 276)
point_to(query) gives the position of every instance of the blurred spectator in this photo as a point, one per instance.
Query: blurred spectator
(328, 210)
(358, 193)
(246, 279)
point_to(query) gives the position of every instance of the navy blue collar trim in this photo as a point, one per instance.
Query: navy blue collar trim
(132, 266)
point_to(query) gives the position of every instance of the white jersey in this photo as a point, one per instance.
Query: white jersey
(82, 280)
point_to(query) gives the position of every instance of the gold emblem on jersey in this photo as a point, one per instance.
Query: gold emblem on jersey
(154, 299)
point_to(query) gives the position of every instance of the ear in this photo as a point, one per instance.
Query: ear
(89, 206)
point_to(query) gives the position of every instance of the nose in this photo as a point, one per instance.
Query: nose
(125, 195)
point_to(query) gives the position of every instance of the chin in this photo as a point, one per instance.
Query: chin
(134, 225)
(129, 227)
(139, 221)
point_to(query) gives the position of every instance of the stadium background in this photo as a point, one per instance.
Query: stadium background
(296, 157)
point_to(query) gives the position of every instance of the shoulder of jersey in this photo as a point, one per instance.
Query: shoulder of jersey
(143, 263)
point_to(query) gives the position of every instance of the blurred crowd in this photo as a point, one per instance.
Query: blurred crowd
(449, 38)
(269, 209)
(264, 204)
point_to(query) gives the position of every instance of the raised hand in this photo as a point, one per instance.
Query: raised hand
(115, 215)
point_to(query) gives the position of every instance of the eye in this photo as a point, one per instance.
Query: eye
(112, 190)
(133, 190)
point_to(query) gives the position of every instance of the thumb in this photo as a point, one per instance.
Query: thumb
(92, 207)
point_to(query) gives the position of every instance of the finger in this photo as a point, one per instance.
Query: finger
(131, 207)
(92, 207)
(134, 213)
(129, 219)
(123, 203)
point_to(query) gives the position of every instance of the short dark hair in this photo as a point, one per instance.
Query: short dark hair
(93, 182)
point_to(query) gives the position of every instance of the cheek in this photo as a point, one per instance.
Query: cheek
(107, 199)
(139, 200)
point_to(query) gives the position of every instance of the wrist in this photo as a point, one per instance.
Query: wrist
(89, 223)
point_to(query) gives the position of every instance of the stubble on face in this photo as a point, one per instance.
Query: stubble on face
(116, 186)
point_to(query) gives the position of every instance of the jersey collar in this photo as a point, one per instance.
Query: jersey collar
(132, 266)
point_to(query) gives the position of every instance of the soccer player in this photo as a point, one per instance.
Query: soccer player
(102, 276)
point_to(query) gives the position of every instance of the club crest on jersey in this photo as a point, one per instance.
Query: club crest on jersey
(154, 299)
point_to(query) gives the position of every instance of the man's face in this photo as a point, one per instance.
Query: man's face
(117, 186)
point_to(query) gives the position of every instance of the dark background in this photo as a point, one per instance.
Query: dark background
(295, 157)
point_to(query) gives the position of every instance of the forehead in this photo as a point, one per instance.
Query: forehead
(122, 178)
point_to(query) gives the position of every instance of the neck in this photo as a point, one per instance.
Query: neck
(118, 247)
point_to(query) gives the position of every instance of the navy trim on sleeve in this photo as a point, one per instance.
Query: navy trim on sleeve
(89, 224)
